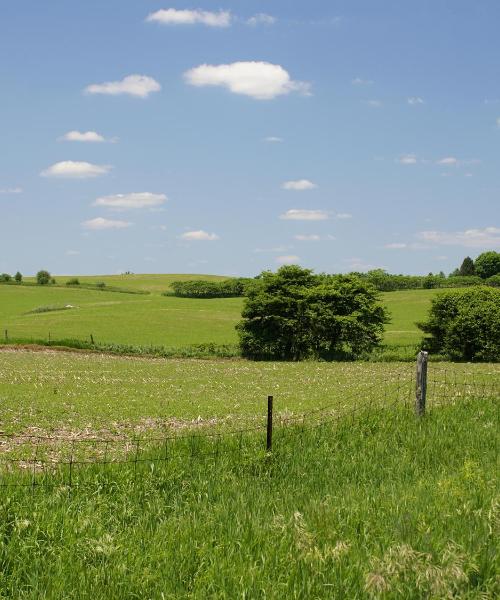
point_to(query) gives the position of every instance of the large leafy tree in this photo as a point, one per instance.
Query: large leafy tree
(293, 314)
(487, 264)
(467, 267)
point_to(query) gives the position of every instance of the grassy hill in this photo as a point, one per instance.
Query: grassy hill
(153, 319)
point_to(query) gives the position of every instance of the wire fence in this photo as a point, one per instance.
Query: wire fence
(45, 461)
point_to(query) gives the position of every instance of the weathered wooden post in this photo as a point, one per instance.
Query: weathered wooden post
(269, 440)
(6, 335)
(92, 339)
(421, 384)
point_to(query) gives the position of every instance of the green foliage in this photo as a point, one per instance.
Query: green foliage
(465, 324)
(73, 281)
(5, 278)
(467, 267)
(43, 277)
(100, 285)
(18, 277)
(293, 315)
(494, 280)
(488, 264)
(200, 288)
(387, 282)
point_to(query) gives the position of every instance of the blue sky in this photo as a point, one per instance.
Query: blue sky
(230, 138)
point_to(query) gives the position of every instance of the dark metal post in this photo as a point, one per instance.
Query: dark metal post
(269, 441)
(421, 385)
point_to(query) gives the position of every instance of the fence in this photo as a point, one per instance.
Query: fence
(40, 461)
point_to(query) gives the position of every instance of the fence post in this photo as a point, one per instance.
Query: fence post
(269, 440)
(421, 384)
(6, 336)
(92, 339)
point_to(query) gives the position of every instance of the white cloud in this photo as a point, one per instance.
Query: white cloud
(79, 136)
(395, 246)
(343, 216)
(259, 80)
(358, 264)
(16, 190)
(360, 81)
(470, 238)
(133, 85)
(408, 159)
(199, 235)
(414, 100)
(299, 185)
(172, 16)
(99, 223)
(448, 161)
(75, 170)
(298, 214)
(273, 139)
(288, 259)
(313, 237)
(261, 19)
(374, 103)
(132, 200)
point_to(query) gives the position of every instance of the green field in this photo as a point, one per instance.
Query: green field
(158, 320)
(372, 504)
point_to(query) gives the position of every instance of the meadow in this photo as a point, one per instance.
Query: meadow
(156, 320)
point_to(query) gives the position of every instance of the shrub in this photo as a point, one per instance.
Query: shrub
(494, 281)
(18, 277)
(293, 314)
(43, 277)
(199, 288)
(465, 324)
(100, 285)
(488, 264)
(73, 281)
(5, 277)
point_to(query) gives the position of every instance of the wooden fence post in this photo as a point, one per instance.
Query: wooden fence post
(6, 336)
(92, 339)
(421, 384)
(269, 440)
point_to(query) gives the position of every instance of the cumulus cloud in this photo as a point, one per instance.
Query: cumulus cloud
(259, 80)
(415, 100)
(299, 185)
(75, 170)
(470, 238)
(132, 200)
(16, 190)
(99, 224)
(133, 85)
(261, 19)
(288, 259)
(172, 16)
(82, 136)
(298, 214)
(272, 139)
(360, 81)
(408, 159)
(199, 236)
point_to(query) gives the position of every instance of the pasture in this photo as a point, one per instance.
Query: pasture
(153, 319)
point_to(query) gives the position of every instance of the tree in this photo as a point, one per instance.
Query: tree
(18, 277)
(465, 324)
(43, 277)
(487, 264)
(293, 314)
(467, 267)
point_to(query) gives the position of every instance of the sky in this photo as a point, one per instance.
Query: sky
(203, 137)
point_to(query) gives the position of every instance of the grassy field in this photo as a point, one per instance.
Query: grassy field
(377, 504)
(158, 320)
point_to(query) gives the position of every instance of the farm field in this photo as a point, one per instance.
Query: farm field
(152, 319)
(373, 505)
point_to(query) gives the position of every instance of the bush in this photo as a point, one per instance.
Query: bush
(199, 288)
(487, 264)
(73, 281)
(5, 277)
(465, 324)
(18, 277)
(293, 314)
(100, 285)
(494, 281)
(43, 277)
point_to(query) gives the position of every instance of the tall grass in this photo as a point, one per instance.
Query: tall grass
(380, 505)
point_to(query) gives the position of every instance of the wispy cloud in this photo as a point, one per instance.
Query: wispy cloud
(360, 81)
(396, 246)
(261, 19)
(259, 80)
(488, 237)
(408, 159)
(299, 185)
(75, 170)
(343, 216)
(448, 161)
(415, 101)
(374, 103)
(140, 86)
(272, 139)
(82, 136)
(100, 224)
(173, 16)
(15, 190)
(299, 214)
(287, 259)
(132, 200)
(313, 237)
(199, 236)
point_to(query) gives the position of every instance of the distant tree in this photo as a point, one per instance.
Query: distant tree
(467, 267)
(18, 277)
(488, 264)
(4, 277)
(43, 277)
(73, 281)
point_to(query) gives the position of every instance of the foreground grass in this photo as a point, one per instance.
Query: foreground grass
(155, 320)
(380, 506)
